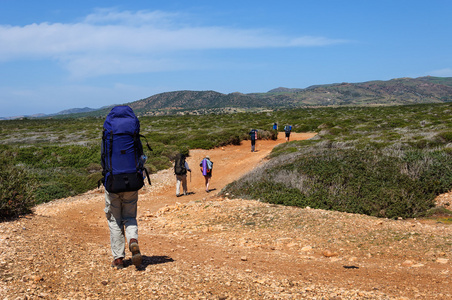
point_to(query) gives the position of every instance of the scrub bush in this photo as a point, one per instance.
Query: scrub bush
(16, 189)
(355, 181)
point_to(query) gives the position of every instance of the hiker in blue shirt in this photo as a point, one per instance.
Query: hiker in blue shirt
(253, 135)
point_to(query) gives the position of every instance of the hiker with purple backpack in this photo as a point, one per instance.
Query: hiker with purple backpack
(206, 166)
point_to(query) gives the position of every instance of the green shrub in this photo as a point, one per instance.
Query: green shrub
(202, 144)
(51, 191)
(155, 164)
(268, 135)
(446, 136)
(266, 190)
(232, 140)
(16, 191)
(365, 182)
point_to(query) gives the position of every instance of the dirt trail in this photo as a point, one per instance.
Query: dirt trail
(230, 163)
(201, 246)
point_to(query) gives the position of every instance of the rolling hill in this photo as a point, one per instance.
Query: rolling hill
(400, 91)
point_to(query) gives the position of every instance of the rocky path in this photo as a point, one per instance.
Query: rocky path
(202, 246)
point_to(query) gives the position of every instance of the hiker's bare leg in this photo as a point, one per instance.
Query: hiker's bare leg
(207, 178)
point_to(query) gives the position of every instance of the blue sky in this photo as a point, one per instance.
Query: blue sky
(56, 55)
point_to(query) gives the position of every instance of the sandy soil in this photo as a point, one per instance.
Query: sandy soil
(202, 246)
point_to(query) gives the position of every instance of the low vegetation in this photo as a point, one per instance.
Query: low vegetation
(385, 162)
(381, 161)
(46, 159)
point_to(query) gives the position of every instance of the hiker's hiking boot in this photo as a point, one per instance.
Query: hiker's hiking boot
(136, 255)
(118, 263)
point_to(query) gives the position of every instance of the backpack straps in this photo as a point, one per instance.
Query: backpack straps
(136, 138)
(147, 144)
(105, 156)
(150, 149)
(147, 175)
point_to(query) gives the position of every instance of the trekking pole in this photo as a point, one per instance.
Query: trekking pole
(190, 176)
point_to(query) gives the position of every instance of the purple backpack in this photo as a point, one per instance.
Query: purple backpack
(206, 167)
(122, 155)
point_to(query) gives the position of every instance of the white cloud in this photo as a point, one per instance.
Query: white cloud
(109, 41)
(156, 18)
(95, 65)
(313, 41)
(447, 72)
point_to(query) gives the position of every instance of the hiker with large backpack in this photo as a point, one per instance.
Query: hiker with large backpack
(287, 130)
(253, 136)
(180, 170)
(206, 166)
(122, 159)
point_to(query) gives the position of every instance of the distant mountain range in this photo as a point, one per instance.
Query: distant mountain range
(61, 113)
(400, 91)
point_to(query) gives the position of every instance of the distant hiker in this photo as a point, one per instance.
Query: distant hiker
(275, 126)
(180, 170)
(287, 130)
(122, 160)
(253, 135)
(206, 169)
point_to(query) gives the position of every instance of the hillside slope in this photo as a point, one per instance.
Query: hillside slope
(392, 92)
(400, 91)
(205, 247)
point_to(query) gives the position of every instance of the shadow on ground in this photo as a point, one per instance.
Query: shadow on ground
(149, 260)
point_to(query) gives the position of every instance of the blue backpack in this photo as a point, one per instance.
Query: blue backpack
(122, 155)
